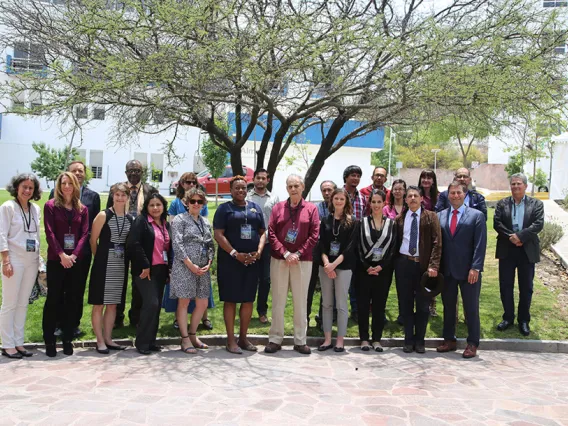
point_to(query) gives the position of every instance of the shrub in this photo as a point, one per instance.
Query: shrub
(551, 234)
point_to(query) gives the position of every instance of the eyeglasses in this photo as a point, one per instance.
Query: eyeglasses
(193, 201)
(134, 172)
(190, 182)
(379, 175)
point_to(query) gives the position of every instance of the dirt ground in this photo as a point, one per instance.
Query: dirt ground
(553, 275)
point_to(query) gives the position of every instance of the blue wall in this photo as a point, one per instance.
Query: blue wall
(373, 139)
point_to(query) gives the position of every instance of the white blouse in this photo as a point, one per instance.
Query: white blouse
(15, 235)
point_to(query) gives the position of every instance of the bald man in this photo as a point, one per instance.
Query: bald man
(473, 199)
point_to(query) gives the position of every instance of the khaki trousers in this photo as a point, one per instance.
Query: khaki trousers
(282, 278)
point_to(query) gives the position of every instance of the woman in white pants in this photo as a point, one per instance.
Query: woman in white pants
(19, 246)
(336, 245)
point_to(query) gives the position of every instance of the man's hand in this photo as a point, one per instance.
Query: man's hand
(515, 239)
(145, 274)
(432, 273)
(292, 259)
(473, 276)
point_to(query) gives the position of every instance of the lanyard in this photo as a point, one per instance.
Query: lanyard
(70, 216)
(245, 213)
(199, 226)
(163, 234)
(293, 217)
(375, 225)
(117, 226)
(333, 229)
(27, 222)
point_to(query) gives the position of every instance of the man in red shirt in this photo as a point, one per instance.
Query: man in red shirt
(379, 178)
(293, 232)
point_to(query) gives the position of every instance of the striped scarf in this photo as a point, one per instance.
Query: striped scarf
(385, 240)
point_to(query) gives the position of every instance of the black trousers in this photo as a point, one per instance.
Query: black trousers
(470, 299)
(373, 288)
(63, 297)
(516, 260)
(85, 265)
(135, 306)
(152, 291)
(264, 282)
(312, 287)
(408, 276)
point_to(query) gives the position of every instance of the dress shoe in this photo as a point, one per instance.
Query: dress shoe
(68, 348)
(420, 349)
(470, 351)
(524, 328)
(50, 350)
(447, 346)
(323, 348)
(264, 319)
(116, 347)
(24, 353)
(303, 349)
(408, 349)
(104, 351)
(272, 348)
(17, 355)
(144, 351)
(156, 348)
(504, 325)
(339, 349)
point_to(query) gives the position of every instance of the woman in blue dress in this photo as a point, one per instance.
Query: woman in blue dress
(186, 182)
(240, 232)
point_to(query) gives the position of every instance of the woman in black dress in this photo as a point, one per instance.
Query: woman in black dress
(109, 273)
(239, 231)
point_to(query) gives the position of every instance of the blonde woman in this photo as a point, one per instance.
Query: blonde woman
(66, 223)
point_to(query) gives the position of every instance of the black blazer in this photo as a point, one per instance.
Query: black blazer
(140, 244)
(533, 223)
(147, 189)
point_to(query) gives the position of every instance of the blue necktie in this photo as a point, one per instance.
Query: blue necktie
(413, 235)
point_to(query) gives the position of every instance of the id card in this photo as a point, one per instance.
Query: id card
(119, 251)
(165, 256)
(246, 232)
(334, 248)
(291, 236)
(377, 254)
(69, 242)
(30, 245)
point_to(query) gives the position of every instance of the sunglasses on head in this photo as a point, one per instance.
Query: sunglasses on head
(190, 182)
(196, 201)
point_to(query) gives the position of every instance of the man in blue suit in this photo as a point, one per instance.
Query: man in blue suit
(473, 198)
(464, 241)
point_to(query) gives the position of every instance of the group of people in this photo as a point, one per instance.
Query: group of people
(353, 242)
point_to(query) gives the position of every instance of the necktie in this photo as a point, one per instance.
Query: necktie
(413, 235)
(454, 222)
(133, 207)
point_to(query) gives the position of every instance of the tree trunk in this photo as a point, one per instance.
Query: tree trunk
(236, 161)
(274, 154)
(261, 154)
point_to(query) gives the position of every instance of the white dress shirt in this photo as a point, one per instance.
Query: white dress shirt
(404, 248)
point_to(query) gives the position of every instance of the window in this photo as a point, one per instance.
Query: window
(99, 114)
(547, 3)
(228, 173)
(81, 112)
(142, 157)
(27, 57)
(157, 161)
(96, 163)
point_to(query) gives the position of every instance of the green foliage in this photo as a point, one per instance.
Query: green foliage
(50, 161)
(540, 179)
(214, 158)
(551, 233)
(515, 165)
(88, 170)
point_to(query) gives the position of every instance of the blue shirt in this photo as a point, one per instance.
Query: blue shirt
(460, 211)
(518, 215)
(323, 211)
(177, 207)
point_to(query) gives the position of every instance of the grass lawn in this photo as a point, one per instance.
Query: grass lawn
(547, 320)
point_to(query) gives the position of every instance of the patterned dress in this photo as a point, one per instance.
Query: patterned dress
(109, 273)
(190, 238)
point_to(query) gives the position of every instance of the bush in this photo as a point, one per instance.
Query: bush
(551, 234)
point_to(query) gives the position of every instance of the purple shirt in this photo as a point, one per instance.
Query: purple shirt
(161, 242)
(306, 220)
(390, 212)
(57, 221)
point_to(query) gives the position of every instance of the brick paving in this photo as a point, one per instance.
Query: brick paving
(217, 388)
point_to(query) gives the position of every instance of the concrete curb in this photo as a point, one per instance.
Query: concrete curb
(515, 345)
(563, 258)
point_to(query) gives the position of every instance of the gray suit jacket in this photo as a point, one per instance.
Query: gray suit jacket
(464, 250)
(533, 223)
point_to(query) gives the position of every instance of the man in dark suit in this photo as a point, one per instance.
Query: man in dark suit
(419, 249)
(518, 220)
(139, 191)
(464, 241)
(92, 201)
(473, 198)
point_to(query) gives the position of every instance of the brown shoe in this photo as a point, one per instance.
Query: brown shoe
(447, 346)
(272, 348)
(470, 351)
(263, 319)
(303, 349)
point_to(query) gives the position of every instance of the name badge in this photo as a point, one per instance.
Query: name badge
(291, 236)
(165, 256)
(69, 242)
(30, 245)
(246, 232)
(377, 253)
(516, 227)
(119, 251)
(334, 248)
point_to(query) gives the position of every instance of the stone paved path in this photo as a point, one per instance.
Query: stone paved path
(334, 389)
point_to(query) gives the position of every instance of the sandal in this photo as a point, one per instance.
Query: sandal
(207, 324)
(189, 349)
(247, 347)
(236, 351)
(199, 345)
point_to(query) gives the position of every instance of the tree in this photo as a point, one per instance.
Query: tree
(539, 180)
(50, 161)
(215, 159)
(515, 165)
(346, 67)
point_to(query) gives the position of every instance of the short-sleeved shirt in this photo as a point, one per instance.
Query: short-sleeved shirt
(231, 219)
